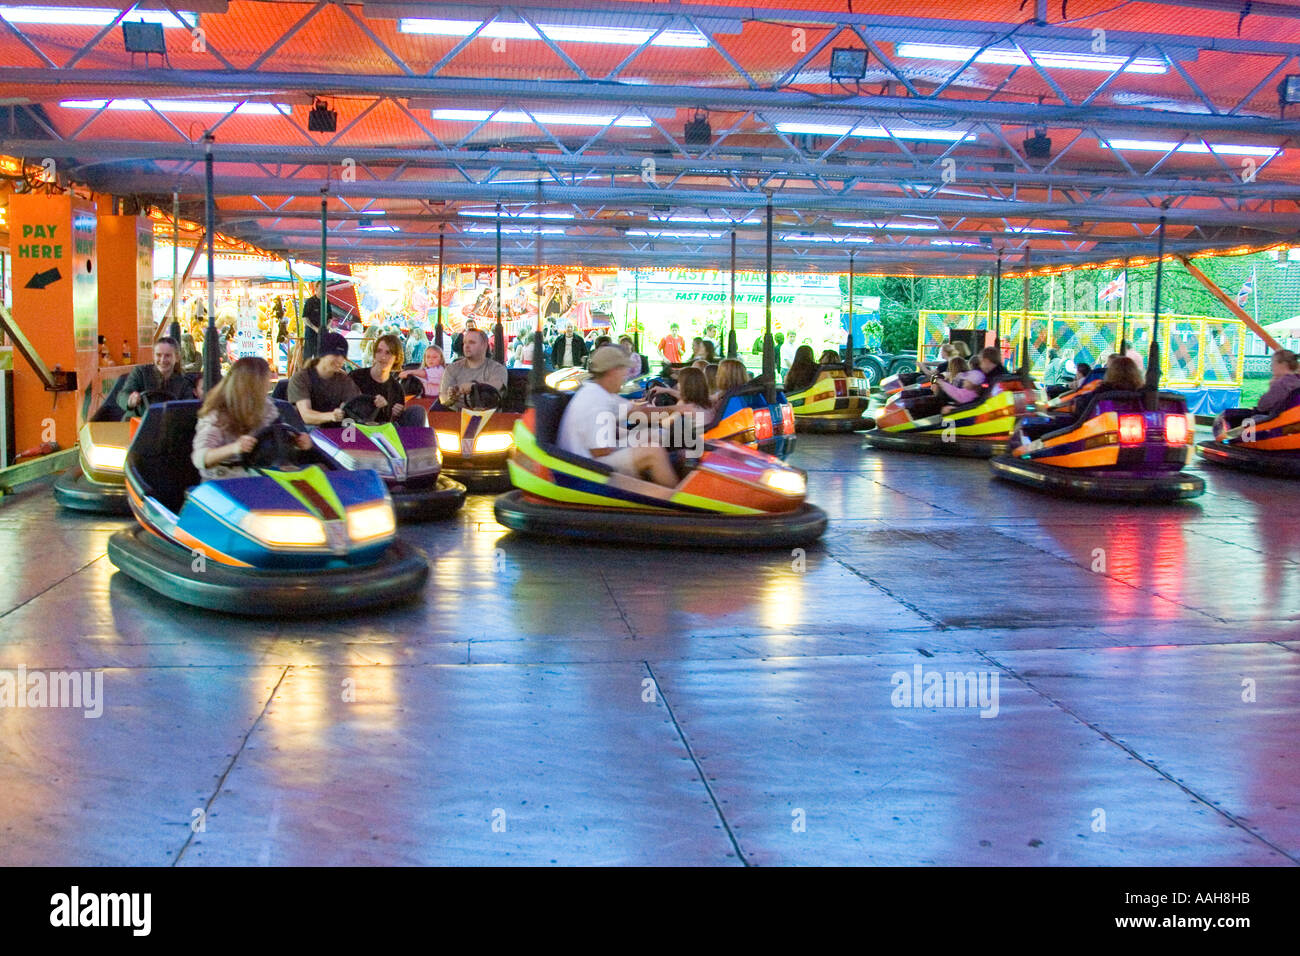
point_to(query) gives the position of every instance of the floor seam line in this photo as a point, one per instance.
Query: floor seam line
(631, 631)
(690, 752)
(54, 585)
(925, 616)
(233, 759)
(1105, 735)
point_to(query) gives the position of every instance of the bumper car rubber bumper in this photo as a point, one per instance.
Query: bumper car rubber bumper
(1099, 486)
(828, 424)
(530, 515)
(167, 568)
(440, 500)
(481, 480)
(932, 443)
(1279, 464)
(74, 490)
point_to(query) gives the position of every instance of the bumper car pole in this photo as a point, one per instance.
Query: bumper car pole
(437, 328)
(211, 348)
(537, 374)
(769, 358)
(1153, 353)
(848, 354)
(731, 336)
(498, 334)
(996, 306)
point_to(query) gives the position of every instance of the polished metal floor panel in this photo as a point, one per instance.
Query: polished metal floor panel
(587, 704)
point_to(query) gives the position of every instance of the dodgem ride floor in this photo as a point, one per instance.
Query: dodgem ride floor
(962, 671)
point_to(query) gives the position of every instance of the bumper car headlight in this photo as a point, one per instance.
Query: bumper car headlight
(448, 442)
(368, 522)
(785, 482)
(418, 463)
(284, 530)
(106, 457)
(495, 442)
(366, 461)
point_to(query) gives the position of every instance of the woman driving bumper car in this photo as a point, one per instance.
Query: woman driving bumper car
(1266, 438)
(277, 540)
(580, 474)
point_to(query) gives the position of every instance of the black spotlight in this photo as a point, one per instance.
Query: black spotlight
(1288, 91)
(698, 130)
(144, 38)
(1038, 146)
(848, 63)
(322, 119)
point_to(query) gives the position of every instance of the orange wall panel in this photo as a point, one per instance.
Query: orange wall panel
(125, 246)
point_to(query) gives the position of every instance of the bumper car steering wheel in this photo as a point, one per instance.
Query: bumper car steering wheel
(482, 397)
(153, 397)
(276, 447)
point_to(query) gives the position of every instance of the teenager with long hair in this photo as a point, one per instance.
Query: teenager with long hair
(234, 410)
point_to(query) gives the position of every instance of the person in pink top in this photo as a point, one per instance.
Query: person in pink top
(430, 373)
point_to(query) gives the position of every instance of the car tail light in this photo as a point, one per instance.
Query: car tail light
(787, 417)
(1132, 430)
(762, 424)
(1176, 429)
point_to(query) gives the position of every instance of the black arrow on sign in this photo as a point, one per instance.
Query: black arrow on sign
(42, 279)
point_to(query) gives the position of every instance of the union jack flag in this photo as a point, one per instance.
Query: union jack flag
(1246, 291)
(1114, 289)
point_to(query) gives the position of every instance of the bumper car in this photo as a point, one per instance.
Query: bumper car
(835, 402)
(286, 540)
(1274, 448)
(407, 459)
(1117, 449)
(1071, 402)
(978, 429)
(744, 415)
(730, 497)
(98, 484)
(475, 442)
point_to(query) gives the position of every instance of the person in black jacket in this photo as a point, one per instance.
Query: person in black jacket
(568, 349)
(379, 383)
(164, 375)
(458, 340)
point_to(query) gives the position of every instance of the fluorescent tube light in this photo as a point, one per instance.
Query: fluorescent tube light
(875, 132)
(556, 119)
(568, 33)
(94, 16)
(180, 106)
(1156, 146)
(1045, 58)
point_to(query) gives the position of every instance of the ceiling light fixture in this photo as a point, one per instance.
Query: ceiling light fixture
(1045, 58)
(179, 106)
(1157, 146)
(555, 119)
(94, 16)
(875, 132)
(569, 33)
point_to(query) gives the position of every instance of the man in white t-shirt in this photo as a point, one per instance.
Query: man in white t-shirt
(595, 422)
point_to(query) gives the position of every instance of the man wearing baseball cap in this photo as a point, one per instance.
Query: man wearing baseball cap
(595, 422)
(321, 388)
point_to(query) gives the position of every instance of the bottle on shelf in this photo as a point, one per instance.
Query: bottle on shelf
(126, 352)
